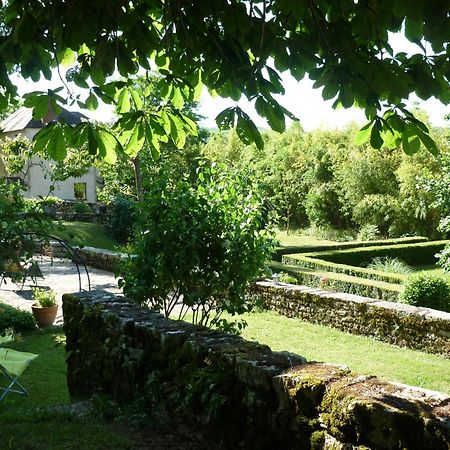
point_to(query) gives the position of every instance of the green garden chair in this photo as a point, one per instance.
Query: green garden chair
(12, 365)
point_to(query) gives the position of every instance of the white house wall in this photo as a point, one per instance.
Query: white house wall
(39, 185)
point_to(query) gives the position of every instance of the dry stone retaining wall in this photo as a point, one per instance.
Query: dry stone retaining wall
(396, 323)
(240, 392)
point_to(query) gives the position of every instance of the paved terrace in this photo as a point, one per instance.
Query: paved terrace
(60, 275)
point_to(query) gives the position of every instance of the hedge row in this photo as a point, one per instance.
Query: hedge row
(338, 282)
(291, 249)
(308, 262)
(417, 254)
(348, 261)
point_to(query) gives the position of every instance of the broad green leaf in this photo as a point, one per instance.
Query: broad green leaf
(376, 140)
(429, 143)
(225, 120)
(107, 146)
(363, 134)
(68, 57)
(40, 107)
(177, 98)
(91, 102)
(136, 141)
(123, 102)
(136, 98)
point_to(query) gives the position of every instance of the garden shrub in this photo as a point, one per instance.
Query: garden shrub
(200, 243)
(443, 258)
(15, 319)
(17, 223)
(427, 290)
(122, 219)
(81, 208)
(368, 233)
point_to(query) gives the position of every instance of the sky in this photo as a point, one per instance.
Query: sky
(300, 98)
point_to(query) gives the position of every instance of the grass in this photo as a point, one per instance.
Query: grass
(362, 354)
(23, 426)
(294, 238)
(85, 234)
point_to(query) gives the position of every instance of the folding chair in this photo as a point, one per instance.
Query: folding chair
(13, 364)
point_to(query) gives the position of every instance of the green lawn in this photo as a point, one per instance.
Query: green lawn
(23, 426)
(87, 234)
(299, 239)
(361, 354)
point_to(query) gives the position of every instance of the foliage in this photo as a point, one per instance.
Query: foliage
(389, 264)
(443, 259)
(45, 298)
(199, 243)
(427, 290)
(235, 49)
(15, 319)
(368, 233)
(15, 154)
(81, 208)
(122, 219)
(322, 178)
(16, 226)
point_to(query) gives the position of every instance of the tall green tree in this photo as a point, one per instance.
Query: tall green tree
(235, 48)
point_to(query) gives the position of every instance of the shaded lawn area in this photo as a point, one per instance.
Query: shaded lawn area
(362, 354)
(85, 234)
(22, 426)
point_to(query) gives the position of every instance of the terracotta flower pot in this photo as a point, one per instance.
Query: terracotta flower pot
(45, 316)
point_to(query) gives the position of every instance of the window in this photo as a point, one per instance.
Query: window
(79, 191)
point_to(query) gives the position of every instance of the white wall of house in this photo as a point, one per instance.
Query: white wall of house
(39, 183)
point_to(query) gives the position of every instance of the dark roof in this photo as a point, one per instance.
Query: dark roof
(23, 118)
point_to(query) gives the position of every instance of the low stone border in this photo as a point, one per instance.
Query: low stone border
(99, 258)
(239, 392)
(396, 323)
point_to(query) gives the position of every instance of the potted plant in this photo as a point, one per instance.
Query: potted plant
(45, 307)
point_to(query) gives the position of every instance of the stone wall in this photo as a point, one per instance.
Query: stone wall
(100, 258)
(239, 392)
(396, 323)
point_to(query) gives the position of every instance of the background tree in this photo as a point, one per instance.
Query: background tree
(235, 49)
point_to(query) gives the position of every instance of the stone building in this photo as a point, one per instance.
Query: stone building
(36, 182)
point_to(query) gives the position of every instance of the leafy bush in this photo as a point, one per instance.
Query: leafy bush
(81, 208)
(427, 290)
(387, 264)
(122, 219)
(17, 223)
(368, 233)
(15, 319)
(199, 243)
(444, 259)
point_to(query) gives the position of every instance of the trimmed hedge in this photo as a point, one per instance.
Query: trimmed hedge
(349, 261)
(308, 262)
(338, 282)
(292, 249)
(417, 254)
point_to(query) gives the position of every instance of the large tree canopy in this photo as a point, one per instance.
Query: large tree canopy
(235, 48)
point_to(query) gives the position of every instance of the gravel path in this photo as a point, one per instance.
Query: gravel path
(60, 275)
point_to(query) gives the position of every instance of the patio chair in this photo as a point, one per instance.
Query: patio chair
(12, 365)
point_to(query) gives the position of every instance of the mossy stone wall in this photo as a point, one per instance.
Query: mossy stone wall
(239, 392)
(396, 323)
